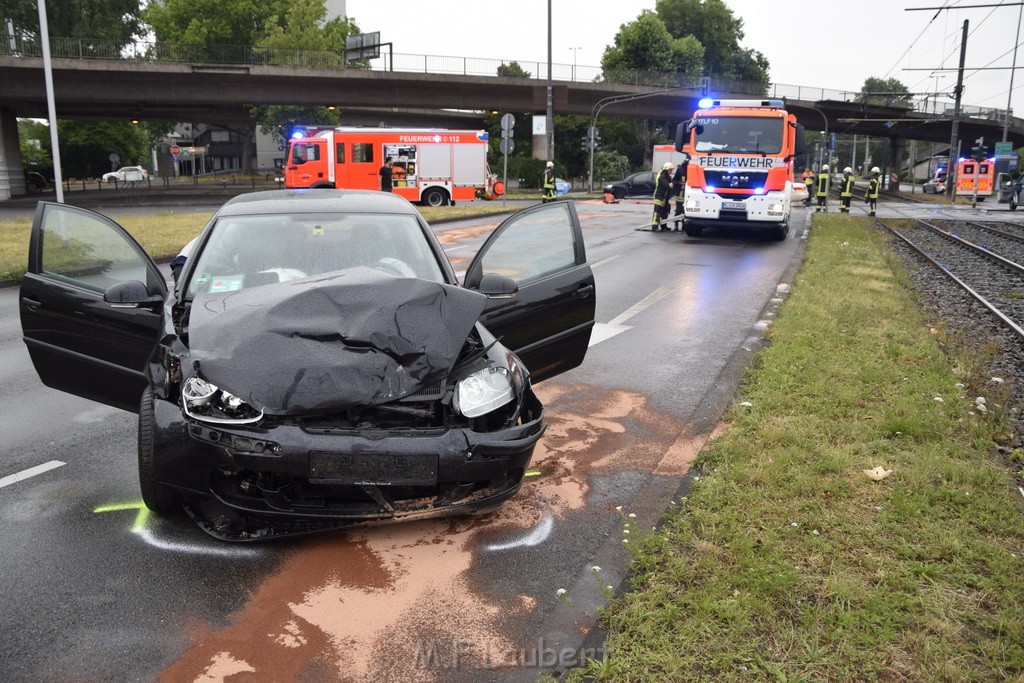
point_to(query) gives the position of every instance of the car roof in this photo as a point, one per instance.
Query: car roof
(316, 201)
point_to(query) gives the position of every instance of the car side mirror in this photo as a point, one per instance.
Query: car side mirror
(131, 294)
(497, 286)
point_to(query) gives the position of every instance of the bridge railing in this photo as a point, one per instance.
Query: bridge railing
(80, 48)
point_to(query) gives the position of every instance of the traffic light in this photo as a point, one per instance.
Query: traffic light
(980, 150)
(593, 139)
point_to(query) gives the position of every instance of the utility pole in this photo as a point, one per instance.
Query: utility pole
(550, 119)
(1009, 96)
(958, 93)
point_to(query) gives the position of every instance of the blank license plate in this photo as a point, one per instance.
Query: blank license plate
(734, 206)
(374, 469)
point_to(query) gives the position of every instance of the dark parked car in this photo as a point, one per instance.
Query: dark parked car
(636, 185)
(317, 361)
(1009, 190)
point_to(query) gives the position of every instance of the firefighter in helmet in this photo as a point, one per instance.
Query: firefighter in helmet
(549, 183)
(846, 190)
(873, 186)
(821, 187)
(679, 191)
(808, 178)
(662, 197)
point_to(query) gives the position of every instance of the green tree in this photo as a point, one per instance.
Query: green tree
(199, 22)
(514, 70)
(887, 92)
(113, 20)
(608, 166)
(646, 45)
(34, 139)
(304, 26)
(713, 24)
(86, 146)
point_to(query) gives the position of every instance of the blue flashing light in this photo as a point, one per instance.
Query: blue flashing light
(296, 135)
(705, 103)
(962, 159)
(711, 188)
(759, 190)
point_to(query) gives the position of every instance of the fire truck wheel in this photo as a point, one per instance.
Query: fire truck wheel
(780, 233)
(435, 197)
(693, 231)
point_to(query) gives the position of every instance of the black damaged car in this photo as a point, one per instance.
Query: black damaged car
(317, 363)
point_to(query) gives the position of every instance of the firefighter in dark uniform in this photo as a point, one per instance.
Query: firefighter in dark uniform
(679, 191)
(873, 186)
(846, 190)
(662, 197)
(821, 187)
(549, 183)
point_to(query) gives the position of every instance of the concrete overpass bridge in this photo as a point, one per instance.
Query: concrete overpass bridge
(162, 82)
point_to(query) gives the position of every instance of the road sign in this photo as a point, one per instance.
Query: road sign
(1004, 148)
(175, 150)
(508, 122)
(507, 145)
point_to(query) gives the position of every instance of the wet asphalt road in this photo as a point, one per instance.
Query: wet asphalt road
(96, 590)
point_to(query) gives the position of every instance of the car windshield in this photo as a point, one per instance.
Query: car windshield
(739, 134)
(249, 251)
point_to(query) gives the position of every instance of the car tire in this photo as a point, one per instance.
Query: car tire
(1013, 201)
(158, 497)
(434, 197)
(619, 193)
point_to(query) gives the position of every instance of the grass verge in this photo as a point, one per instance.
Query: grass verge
(786, 562)
(162, 235)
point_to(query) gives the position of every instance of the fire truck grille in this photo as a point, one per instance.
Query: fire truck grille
(739, 180)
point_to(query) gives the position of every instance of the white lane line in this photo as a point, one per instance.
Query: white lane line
(604, 261)
(605, 331)
(651, 299)
(30, 472)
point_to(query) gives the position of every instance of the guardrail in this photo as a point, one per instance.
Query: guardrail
(82, 48)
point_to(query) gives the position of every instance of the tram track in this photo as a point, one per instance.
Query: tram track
(979, 297)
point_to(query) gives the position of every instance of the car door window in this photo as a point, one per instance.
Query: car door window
(533, 246)
(84, 250)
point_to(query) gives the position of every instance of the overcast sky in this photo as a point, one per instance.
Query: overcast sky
(824, 44)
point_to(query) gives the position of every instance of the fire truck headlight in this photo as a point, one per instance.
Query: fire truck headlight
(691, 205)
(775, 209)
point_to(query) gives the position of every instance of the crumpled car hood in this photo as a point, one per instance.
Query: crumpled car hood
(355, 337)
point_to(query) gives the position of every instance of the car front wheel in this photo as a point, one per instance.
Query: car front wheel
(158, 497)
(619, 193)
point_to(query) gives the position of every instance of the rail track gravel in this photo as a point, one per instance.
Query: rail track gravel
(964, 316)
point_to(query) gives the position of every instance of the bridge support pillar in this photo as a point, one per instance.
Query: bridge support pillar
(896, 145)
(12, 177)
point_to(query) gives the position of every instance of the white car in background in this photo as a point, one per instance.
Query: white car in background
(126, 174)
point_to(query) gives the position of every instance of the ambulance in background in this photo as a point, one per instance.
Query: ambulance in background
(970, 172)
(431, 166)
(741, 165)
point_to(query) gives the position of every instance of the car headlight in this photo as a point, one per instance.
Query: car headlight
(483, 391)
(203, 401)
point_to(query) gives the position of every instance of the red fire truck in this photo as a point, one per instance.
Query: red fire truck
(431, 166)
(741, 165)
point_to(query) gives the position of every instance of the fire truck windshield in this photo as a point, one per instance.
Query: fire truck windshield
(738, 134)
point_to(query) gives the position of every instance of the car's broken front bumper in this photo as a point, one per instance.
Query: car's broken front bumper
(291, 472)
